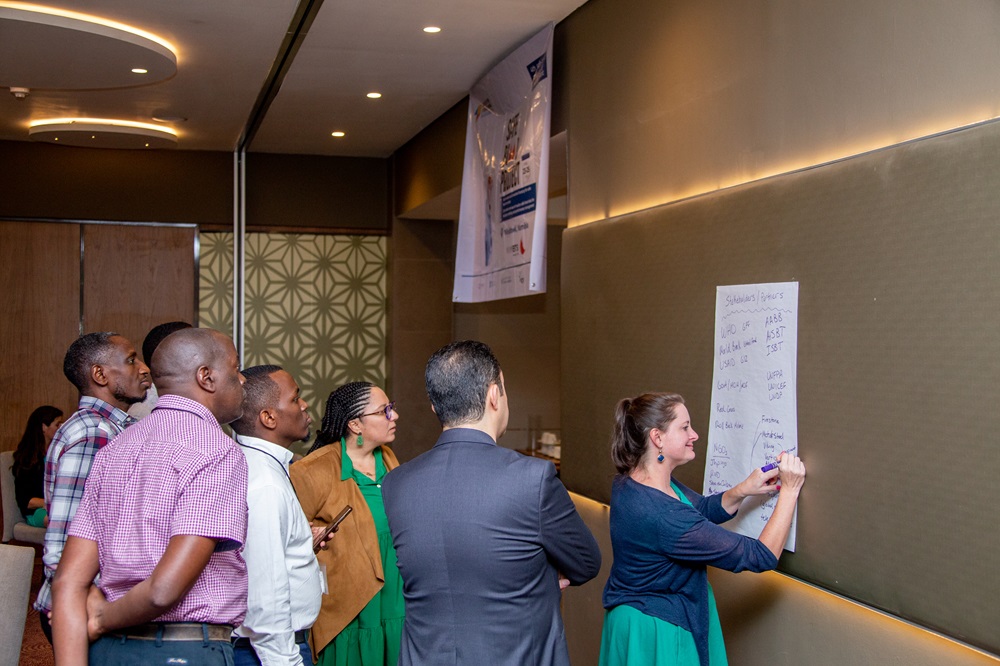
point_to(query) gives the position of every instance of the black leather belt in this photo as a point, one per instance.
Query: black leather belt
(176, 631)
(301, 636)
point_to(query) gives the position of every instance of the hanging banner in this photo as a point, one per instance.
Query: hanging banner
(505, 180)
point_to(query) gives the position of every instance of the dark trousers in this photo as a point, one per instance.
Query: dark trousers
(122, 651)
(43, 619)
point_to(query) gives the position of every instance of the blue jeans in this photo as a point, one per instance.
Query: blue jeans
(245, 656)
(121, 651)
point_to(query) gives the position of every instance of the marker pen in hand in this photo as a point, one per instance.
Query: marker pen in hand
(767, 468)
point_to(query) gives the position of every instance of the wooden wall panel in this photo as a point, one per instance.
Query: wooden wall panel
(136, 277)
(40, 301)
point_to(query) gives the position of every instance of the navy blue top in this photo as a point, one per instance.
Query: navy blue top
(661, 549)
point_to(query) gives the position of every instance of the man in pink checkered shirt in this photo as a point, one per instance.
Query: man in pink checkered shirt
(163, 518)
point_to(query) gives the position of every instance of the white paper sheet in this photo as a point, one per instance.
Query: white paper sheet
(754, 415)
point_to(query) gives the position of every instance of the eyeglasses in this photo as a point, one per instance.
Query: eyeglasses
(387, 410)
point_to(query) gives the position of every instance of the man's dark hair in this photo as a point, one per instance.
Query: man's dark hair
(156, 336)
(458, 377)
(85, 352)
(260, 391)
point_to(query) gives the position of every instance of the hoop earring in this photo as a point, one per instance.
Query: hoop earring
(361, 441)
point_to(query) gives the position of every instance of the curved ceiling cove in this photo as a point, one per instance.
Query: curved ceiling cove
(93, 53)
(102, 133)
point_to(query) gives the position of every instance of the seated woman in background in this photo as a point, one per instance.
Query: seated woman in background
(361, 617)
(660, 607)
(29, 463)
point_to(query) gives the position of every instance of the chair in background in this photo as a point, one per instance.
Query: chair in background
(16, 563)
(14, 526)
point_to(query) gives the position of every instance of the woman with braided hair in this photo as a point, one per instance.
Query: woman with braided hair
(361, 617)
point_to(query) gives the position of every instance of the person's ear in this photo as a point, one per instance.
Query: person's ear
(205, 379)
(267, 419)
(97, 375)
(493, 396)
(354, 425)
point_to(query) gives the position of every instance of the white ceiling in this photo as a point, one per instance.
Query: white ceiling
(225, 49)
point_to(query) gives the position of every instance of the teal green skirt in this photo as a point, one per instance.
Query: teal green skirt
(37, 518)
(632, 638)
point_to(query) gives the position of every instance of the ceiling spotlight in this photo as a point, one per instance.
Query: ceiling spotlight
(432, 29)
(139, 70)
(337, 134)
(374, 95)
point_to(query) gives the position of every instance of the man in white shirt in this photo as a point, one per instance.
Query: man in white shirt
(285, 586)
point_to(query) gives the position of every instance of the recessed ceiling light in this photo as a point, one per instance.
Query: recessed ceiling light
(337, 134)
(139, 70)
(374, 95)
(432, 29)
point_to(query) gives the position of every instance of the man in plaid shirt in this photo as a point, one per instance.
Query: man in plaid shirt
(163, 518)
(105, 369)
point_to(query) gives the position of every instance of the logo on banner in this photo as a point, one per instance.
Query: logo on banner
(538, 70)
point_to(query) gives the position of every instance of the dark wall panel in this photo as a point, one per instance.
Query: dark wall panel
(62, 182)
(317, 192)
(897, 254)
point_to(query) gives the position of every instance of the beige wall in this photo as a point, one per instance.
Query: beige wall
(666, 99)
(524, 333)
(421, 265)
(685, 97)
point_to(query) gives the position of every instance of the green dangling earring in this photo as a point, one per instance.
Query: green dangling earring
(361, 440)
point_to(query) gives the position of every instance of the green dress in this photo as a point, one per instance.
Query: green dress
(372, 638)
(632, 638)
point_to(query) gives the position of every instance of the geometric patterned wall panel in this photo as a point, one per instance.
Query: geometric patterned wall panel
(215, 281)
(315, 305)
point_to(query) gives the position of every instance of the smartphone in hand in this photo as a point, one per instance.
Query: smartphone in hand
(332, 527)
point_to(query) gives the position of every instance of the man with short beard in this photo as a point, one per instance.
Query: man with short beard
(285, 586)
(105, 369)
(163, 520)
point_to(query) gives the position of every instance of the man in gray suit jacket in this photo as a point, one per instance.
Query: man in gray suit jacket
(486, 538)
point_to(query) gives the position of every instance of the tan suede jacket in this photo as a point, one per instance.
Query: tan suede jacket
(353, 563)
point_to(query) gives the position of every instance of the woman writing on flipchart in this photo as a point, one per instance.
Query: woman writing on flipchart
(660, 607)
